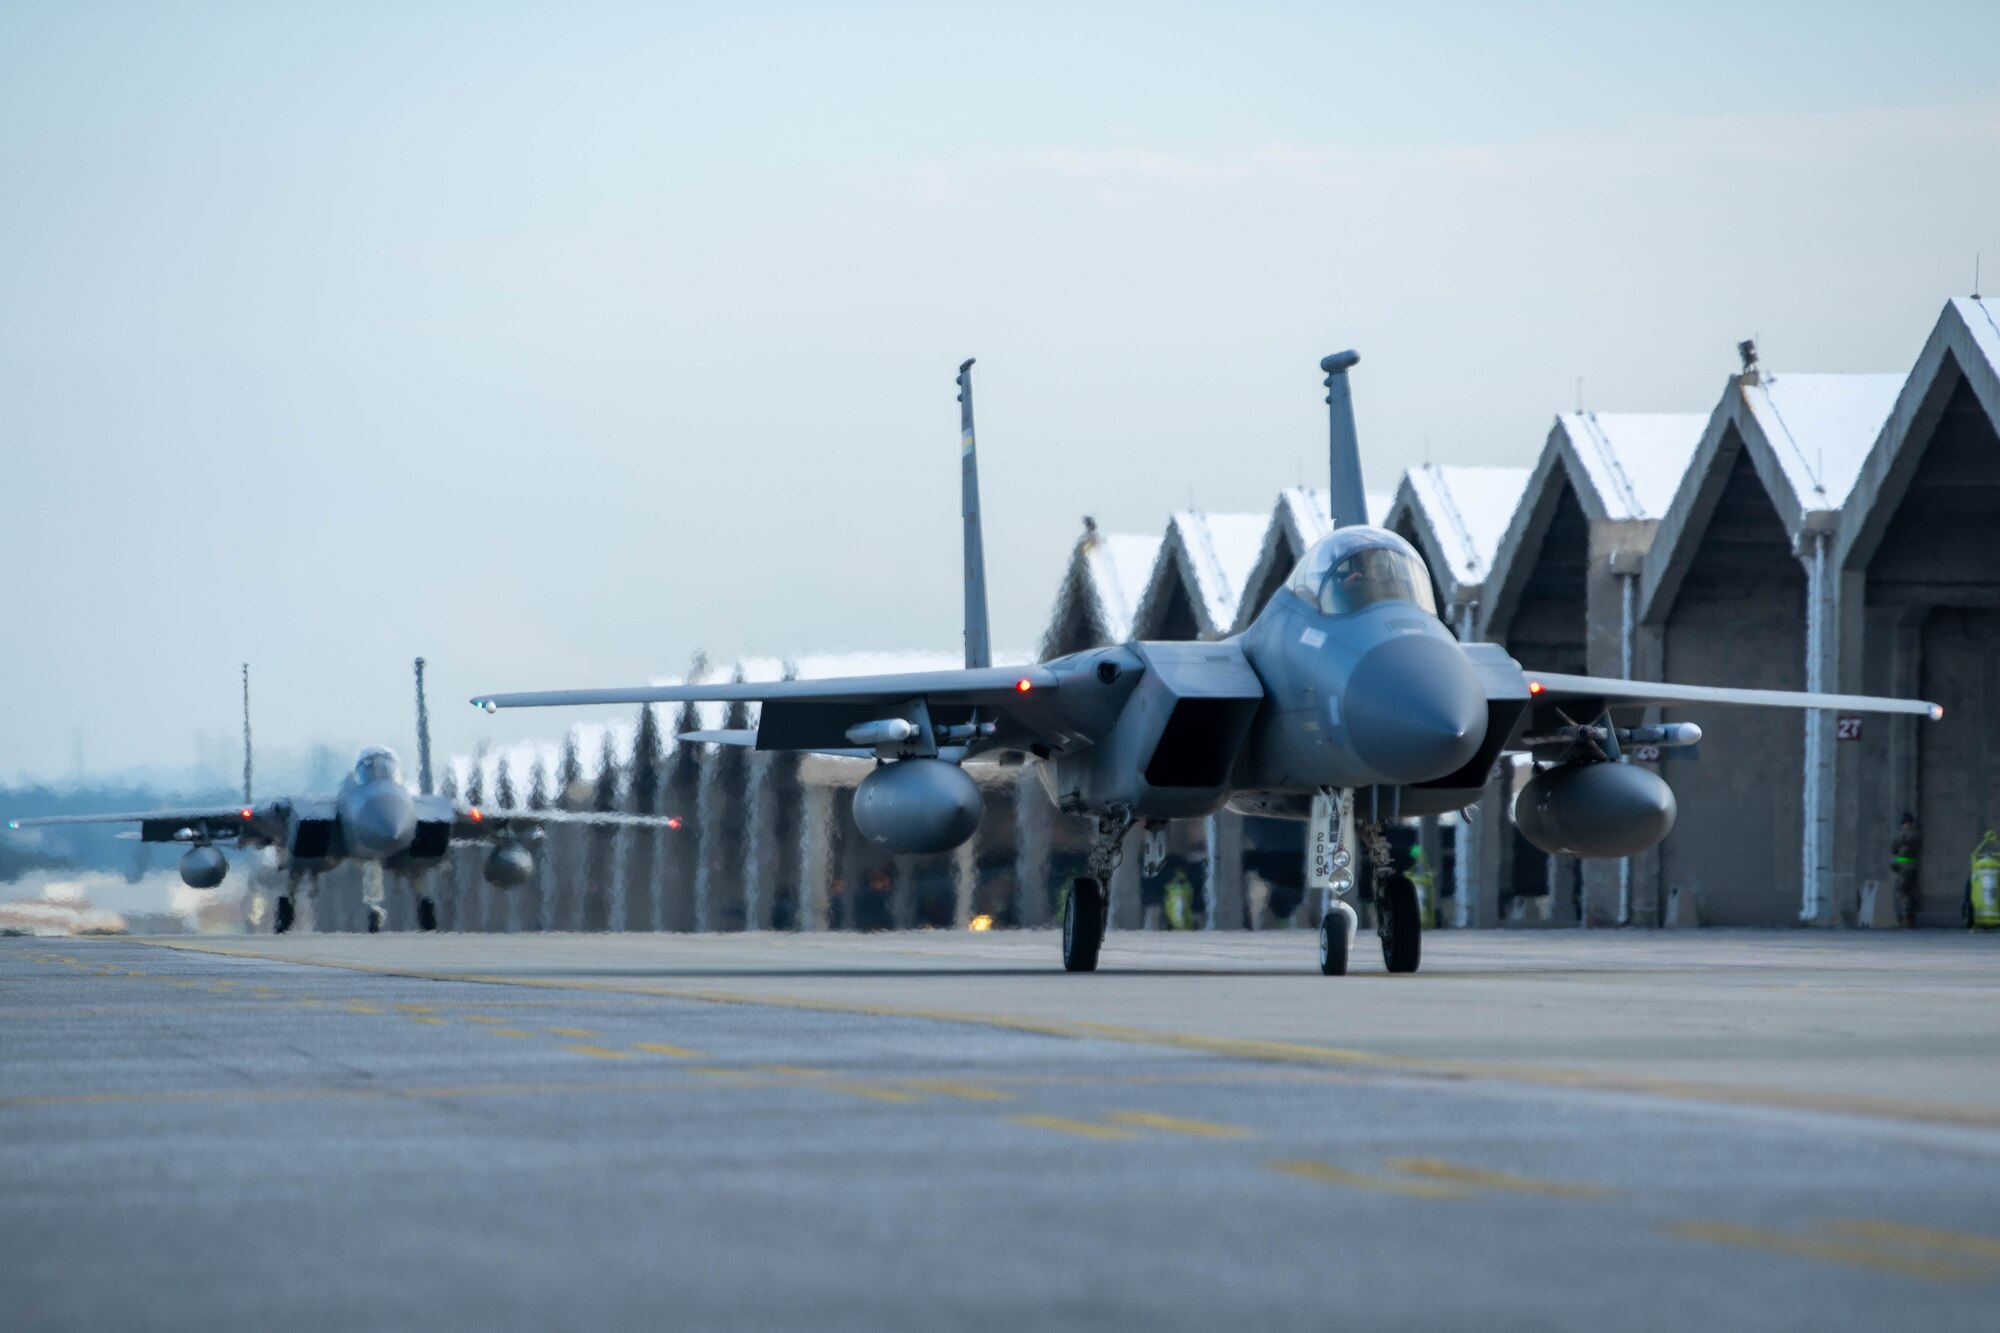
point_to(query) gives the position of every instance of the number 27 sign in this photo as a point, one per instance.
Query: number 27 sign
(1847, 727)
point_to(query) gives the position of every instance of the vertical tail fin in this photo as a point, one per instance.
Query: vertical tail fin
(978, 646)
(1349, 499)
(246, 733)
(423, 735)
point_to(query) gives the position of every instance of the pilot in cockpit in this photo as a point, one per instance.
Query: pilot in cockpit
(377, 764)
(1356, 568)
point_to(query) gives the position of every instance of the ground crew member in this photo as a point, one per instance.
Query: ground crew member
(1425, 882)
(1179, 901)
(1909, 845)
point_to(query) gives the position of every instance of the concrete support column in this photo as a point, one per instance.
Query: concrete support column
(1815, 904)
(659, 873)
(451, 907)
(1491, 837)
(1429, 900)
(617, 910)
(1225, 870)
(760, 841)
(708, 839)
(903, 893)
(1464, 848)
(1648, 894)
(964, 881)
(815, 854)
(1628, 625)
(855, 855)
(1034, 829)
(1846, 675)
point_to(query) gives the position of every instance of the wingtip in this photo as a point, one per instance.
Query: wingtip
(486, 705)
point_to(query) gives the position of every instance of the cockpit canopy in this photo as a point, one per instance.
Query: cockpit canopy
(377, 764)
(1357, 567)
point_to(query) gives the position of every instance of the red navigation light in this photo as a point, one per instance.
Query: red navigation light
(1534, 687)
(673, 821)
(246, 812)
(476, 815)
(1023, 685)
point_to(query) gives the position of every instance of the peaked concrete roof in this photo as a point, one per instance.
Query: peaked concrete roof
(1807, 436)
(1211, 556)
(1627, 465)
(1108, 574)
(1459, 515)
(1965, 341)
(1624, 468)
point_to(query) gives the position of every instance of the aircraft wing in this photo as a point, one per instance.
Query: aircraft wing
(478, 824)
(978, 685)
(987, 707)
(244, 823)
(1555, 688)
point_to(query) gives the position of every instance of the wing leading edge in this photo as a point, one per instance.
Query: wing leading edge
(981, 685)
(1554, 687)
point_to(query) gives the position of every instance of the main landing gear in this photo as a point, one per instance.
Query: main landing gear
(287, 915)
(1089, 900)
(1398, 920)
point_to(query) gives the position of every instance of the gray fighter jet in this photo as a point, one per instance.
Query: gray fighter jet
(1347, 702)
(373, 817)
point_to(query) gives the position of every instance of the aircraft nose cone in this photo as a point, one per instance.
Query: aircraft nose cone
(1413, 709)
(384, 822)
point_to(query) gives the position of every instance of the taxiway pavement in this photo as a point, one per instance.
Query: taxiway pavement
(943, 1130)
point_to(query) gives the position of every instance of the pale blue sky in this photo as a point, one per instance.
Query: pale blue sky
(555, 341)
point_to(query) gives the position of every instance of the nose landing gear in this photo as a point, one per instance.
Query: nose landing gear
(1336, 938)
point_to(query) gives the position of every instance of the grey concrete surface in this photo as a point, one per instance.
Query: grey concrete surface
(194, 1138)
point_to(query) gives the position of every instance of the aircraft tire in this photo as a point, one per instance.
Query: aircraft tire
(281, 920)
(374, 921)
(1400, 925)
(1083, 925)
(427, 914)
(1333, 944)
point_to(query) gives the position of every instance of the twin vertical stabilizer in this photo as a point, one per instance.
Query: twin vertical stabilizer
(1348, 500)
(978, 644)
(423, 735)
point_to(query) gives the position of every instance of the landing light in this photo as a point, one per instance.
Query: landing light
(246, 812)
(1535, 687)
(673, 821)
(476, 815)
(1023, 685)
(980, 922)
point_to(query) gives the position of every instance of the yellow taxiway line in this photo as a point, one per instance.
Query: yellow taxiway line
(1832, 1103)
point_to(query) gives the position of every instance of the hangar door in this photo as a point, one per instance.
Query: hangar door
(1958, 779)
